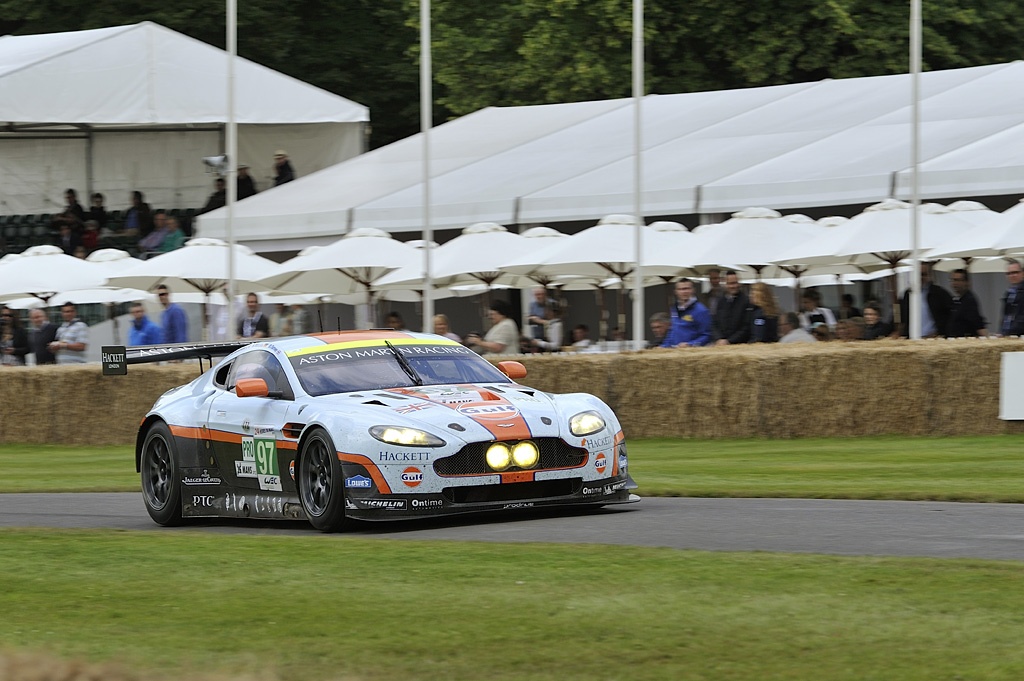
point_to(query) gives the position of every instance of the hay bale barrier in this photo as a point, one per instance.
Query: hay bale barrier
(772, 391)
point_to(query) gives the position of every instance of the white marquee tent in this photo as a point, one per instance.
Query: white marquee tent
(139, 106)
(826, 143)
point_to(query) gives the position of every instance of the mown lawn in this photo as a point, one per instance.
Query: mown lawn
(181, 604)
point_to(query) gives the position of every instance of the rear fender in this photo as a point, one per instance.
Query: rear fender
(140, 438)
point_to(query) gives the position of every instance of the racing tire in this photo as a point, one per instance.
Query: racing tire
(321, 483)
(161, 476)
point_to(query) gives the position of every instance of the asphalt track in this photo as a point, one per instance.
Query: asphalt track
(878, 528)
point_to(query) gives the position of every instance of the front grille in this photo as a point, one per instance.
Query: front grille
(470, 460)
(514, 491)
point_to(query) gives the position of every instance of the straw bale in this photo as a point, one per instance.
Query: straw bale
(78, 405)
(777, 391)
(795, 390)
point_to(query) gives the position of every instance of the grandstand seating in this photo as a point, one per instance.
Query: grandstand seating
(18, 232)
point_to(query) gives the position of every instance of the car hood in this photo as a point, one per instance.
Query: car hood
(505, 412)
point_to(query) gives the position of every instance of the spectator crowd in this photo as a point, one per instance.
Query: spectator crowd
(139, 229)
(729, 313)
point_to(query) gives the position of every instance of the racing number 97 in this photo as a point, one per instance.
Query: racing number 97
(266, 457)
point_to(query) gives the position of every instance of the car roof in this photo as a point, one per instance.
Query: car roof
(338, 339)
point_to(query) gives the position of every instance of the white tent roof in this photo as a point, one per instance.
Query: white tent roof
(832, 142)
(145, 74)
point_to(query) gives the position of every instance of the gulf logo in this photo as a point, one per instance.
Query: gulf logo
(489, 411)
(412, 476)
(600, 463)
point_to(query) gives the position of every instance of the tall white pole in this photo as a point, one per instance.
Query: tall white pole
(426, 123)
(232, 162)
(915, 152)
(638, 95)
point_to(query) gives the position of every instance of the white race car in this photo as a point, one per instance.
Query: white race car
(369, 425)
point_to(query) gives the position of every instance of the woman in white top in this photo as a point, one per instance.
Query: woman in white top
(503, 338)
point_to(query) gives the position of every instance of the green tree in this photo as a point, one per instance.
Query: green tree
(509, 52)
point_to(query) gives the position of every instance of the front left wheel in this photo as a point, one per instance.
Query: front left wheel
(321, 483)
(161, 489)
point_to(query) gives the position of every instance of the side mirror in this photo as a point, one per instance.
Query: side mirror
(513, 370)
(251, 387)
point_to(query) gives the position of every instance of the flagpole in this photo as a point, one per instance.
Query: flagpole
(426, 123)
(638, 94)
(914, 327)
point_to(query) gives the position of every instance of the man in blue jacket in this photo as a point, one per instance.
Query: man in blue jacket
(174, 321)
(691, 321)
(143, 331)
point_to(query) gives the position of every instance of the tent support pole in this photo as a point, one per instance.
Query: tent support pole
(639, 334)
(90, 142)
(426, 123)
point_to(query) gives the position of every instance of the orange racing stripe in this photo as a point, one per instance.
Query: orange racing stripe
(619, 437)
(192, 433)
(371, 467)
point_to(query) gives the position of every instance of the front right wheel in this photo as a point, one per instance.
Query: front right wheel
(321, 483)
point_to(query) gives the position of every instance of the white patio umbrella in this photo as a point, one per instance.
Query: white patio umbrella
(352, 264)
(99, 295)
(994, 237)
(200, 266)
(753, 239)
(606, 250)
(105, 262)
(880, 238)
(44, 271)
(473, 258)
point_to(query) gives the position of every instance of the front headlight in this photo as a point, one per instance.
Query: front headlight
(499, 456)
(586, 423)
(408, 437)
(525, 454)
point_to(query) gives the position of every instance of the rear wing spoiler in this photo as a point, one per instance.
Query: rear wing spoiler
(116, 358)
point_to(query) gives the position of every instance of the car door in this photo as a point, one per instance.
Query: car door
(247, 431)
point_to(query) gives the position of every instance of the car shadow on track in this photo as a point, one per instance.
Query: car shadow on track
(396, 527)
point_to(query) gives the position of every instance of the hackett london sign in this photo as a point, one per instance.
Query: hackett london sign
(113, 359)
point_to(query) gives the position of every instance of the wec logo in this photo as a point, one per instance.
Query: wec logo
(483, 410)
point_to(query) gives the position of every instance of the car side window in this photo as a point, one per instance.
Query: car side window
(260, 364)
(220, 379)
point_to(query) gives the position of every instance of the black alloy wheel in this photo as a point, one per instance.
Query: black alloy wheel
(161, 479)
(322, 483)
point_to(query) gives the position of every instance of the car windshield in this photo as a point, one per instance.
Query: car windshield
(340, 369)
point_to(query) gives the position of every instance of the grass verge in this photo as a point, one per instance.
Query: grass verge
(332, 607)
(950, 469)
(913, 468)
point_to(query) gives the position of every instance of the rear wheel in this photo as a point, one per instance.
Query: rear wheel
(322, 483)
(161, 489)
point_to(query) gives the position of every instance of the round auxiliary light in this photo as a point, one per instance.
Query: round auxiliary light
(525, 454)
(499, 456)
